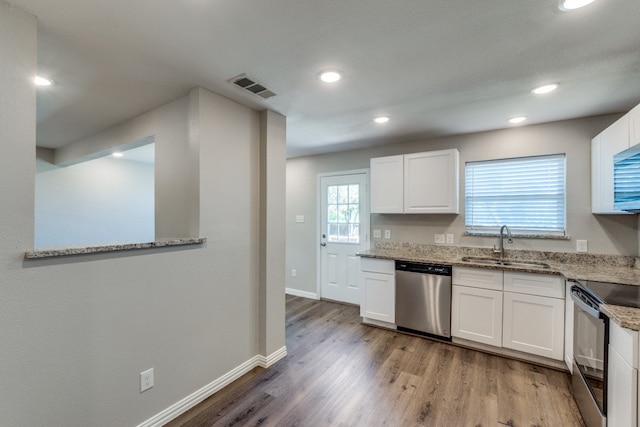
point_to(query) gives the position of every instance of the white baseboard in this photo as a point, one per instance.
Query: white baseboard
(193, 399)
(270, 360)
(303, 294)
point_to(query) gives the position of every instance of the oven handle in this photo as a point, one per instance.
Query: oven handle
(584, 306)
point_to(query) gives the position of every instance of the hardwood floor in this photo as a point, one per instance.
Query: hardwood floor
(339, 372)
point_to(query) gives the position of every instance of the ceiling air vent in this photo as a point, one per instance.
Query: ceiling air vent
(252, 85)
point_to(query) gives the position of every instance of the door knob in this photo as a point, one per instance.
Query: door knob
(323, 244)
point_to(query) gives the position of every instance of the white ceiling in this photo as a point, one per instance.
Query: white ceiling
(436, 67)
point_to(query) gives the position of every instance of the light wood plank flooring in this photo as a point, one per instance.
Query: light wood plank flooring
(339, 372)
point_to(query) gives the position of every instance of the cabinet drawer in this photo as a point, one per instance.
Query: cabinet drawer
(544, 285)
(374, 265)
(477, 278)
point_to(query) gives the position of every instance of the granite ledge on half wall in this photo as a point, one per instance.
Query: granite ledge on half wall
(86, 250)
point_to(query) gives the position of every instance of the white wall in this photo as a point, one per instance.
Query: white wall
(99, 202)
(76, 332)
(606, 234)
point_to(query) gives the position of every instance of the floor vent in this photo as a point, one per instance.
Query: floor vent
(252, 85)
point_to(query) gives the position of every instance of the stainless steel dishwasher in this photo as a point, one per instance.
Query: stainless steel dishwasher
(423, 299)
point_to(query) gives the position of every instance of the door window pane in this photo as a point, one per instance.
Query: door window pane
(343, 213)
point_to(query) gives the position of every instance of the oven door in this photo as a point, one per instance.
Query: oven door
(590, 342)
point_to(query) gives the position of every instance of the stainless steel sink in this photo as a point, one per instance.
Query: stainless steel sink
(505, 262)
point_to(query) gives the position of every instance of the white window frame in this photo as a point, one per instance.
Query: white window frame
(477, 219)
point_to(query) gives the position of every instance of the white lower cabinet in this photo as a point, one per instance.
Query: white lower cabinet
(534, 325)
(623, 387)
(519, 311)
(378, 287)
(378, 301)
(622, 382)
(476, 314)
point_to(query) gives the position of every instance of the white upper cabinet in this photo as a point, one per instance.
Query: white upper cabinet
(387, 183)
(431, 182)
(604, 146)
(634, 126)
(416, 183)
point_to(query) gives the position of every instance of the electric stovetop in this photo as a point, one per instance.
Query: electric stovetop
(615, 294)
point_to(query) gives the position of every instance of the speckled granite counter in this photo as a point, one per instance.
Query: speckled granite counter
(627, 317)
(58, 252)
(601, 268)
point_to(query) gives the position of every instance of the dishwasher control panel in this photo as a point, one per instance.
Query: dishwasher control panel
(418, 267)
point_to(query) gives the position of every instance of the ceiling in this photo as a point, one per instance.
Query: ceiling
(435, 67)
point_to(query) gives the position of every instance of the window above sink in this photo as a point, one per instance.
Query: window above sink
(528, 193)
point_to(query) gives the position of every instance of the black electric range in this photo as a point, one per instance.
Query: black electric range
(613, 293)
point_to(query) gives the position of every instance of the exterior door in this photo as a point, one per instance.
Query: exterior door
(344, 223)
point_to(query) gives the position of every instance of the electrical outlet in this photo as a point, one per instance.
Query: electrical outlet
(449, 239)
(439, 238)
(146, 380)
(387, 234)
(581, 246)
(377, 234)
(294, 273)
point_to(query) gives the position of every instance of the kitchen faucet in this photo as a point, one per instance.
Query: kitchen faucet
(500, 250)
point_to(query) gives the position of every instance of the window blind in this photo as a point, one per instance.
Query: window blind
(527, 194)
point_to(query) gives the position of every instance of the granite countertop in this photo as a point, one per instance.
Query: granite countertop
(601, 268)
(86, 250)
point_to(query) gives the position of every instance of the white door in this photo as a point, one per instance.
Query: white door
(344, 223)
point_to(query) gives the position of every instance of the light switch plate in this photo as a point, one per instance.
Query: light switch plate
(581, 246)
(439, 238)
(300, 218)
(387, 234)
(449, 239)
(377, 234)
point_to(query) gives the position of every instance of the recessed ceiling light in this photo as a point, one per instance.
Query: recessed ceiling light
(518, 119)
(573, 4)
(381, 119)
(541, 90)
(41, 81)
(117, 154)
(330, 76)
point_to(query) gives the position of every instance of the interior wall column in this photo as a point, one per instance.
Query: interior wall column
(271, 296)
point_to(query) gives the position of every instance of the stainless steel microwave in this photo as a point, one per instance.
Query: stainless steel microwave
(626, 180)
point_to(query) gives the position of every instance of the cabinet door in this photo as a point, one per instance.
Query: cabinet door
(634, 126)
(431, 182)
(476, 315)
(613, 140)
(622, 390)
(534, 325)
(387, 184)
(378, 296)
